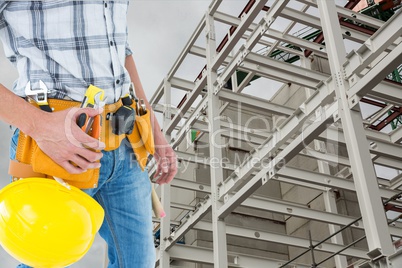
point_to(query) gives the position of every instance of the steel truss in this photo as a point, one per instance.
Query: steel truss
(325, 128)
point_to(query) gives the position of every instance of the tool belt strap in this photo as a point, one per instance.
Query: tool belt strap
(21, 170)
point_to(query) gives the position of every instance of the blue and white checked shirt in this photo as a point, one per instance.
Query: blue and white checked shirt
(68, 45)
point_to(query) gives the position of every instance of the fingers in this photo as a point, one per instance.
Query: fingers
(82, 140)
(93, 144)
(71, 168)
(166, 177)
(89, 155)
(86, 159)
(83, 163)
(78, 161)
(166, 169)
(76, 135)
(79, 165)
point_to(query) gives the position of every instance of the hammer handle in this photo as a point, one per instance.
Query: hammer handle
(156, 205)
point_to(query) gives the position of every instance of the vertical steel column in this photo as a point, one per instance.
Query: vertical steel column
(164, 260)
(328, 195)
(330, 206)
(215, 151)
(375, 223)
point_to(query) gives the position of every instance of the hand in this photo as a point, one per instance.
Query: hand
(166, 161)
(59, 136)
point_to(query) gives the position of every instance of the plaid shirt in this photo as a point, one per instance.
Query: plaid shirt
(68, 45)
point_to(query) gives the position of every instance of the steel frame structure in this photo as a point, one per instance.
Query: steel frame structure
(330, 114)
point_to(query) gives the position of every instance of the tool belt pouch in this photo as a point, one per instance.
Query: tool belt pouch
(31, 161)
(28, 152)
(142, 139)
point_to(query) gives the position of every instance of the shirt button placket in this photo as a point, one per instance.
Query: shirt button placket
(113, 48)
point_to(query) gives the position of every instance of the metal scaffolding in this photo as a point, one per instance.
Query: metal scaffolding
(307, 191)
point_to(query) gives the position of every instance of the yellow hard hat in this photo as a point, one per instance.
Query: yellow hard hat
(44, 225)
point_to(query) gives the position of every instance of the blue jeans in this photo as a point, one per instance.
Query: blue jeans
(124, 192)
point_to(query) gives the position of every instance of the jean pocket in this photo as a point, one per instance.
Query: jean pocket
(13, 144)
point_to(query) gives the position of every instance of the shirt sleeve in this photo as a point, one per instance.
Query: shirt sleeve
(3, 5)
(128, 49)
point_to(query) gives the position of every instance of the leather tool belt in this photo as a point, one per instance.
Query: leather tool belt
(32, 162)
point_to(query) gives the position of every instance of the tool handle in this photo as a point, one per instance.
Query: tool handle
(82, 119)
(85, 122)
(45, 108)
(156, 205)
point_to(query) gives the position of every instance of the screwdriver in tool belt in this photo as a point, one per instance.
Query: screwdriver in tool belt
(140, 103)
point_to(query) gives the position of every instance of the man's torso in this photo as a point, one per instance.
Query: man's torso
(67, 44)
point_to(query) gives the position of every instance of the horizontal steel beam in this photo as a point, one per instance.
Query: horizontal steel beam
(352, 15)
(314, 22)
(396, 135)
(360, 86)
(181, 206)
(272, 33)
(284, 240)
(182, 84)
(254, 102)
(282, 71)
(204, 255)
(190, 185)
(388, 92)
(380, 143)
(286, 174)
(297, 41)
(373, 48)
(298, 175)
(158, 220)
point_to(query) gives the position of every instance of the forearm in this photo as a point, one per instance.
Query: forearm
(139, 91)
(165, 156)
(17, 112)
